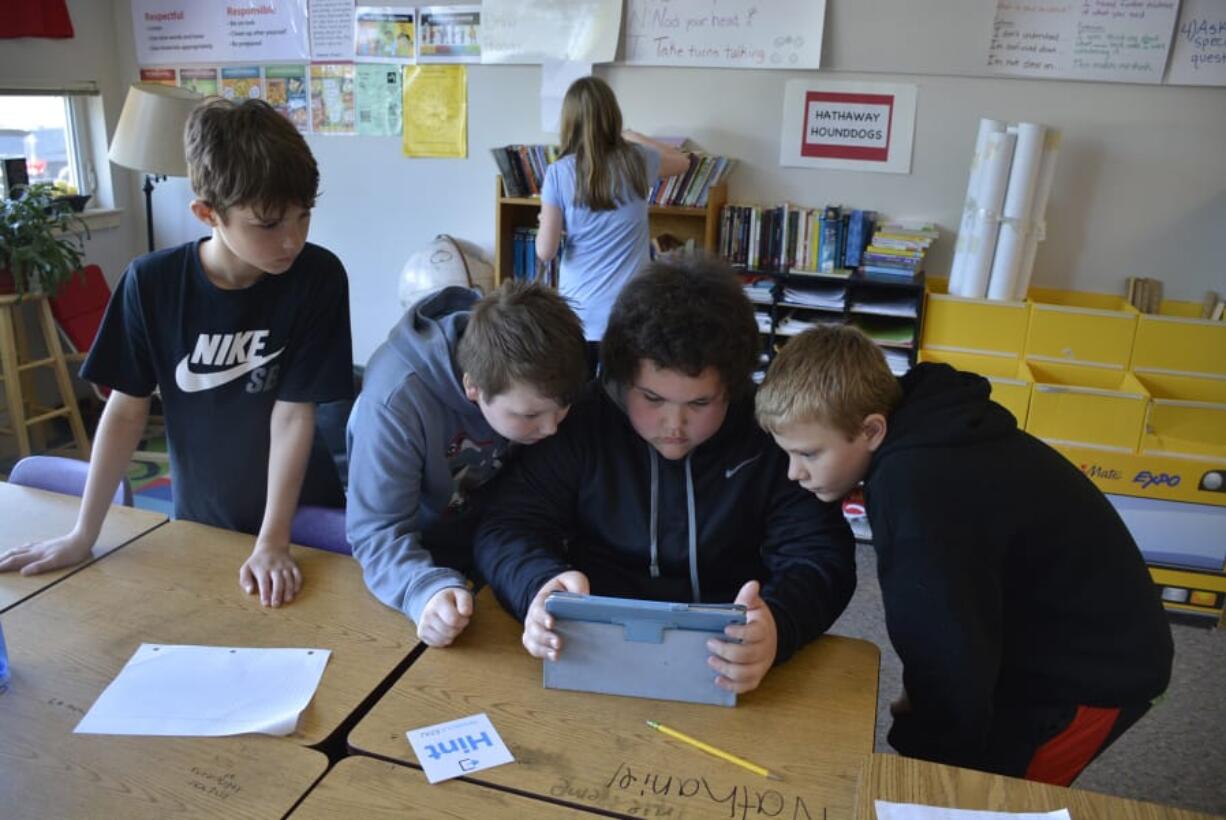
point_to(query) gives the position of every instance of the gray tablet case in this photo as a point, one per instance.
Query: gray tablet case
(646, 649)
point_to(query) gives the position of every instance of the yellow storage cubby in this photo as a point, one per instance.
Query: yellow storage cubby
(1010, 378)
(958, 324)
(1187, 415)
(1097, 407)
(1179, 343)
(1091, 328)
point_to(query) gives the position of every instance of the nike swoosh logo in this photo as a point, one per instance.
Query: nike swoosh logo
(190, 382)
(731, 471)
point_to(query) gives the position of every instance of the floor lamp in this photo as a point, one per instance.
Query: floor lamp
(149, 136)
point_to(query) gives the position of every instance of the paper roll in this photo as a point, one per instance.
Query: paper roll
(981, 240)
(987, 127)
(1015, 216)
(1038, 218)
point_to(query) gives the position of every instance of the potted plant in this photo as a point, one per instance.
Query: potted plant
(41, 242)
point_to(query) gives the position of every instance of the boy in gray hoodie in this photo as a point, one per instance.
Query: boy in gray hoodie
(459, 379)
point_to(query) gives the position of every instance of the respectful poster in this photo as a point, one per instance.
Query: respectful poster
(179, 32)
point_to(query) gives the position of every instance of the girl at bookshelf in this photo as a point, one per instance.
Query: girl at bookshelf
(597, 192)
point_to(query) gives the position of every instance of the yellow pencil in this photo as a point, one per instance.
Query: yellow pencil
(711, 750)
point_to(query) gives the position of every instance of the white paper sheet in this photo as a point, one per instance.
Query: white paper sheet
(981, 240)
(207, 691)
(914, 811)
(447, 750)
(987, 127)
(1038, 219)
(556, 77)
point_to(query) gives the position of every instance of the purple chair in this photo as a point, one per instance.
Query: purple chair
(320, 527)
(62, 475)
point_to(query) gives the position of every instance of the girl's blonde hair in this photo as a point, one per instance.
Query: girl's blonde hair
(607, 167)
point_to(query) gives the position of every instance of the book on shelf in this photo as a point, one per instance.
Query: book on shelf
(525, 266)
(691, 188)
(523, 167)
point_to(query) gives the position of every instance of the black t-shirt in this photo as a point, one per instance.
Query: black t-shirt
(221, 359)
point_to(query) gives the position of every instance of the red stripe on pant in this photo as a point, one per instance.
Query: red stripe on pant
(1061, 759)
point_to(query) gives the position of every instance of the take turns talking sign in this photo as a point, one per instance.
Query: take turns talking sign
(848, 126)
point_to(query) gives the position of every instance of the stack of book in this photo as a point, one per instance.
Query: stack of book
(898, 249)
(787, 237)
(526, 267)
(523, 167)
(690, 190)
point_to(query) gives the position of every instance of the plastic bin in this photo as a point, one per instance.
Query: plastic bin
(1097, 407)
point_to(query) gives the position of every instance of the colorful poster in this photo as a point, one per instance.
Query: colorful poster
(285, 89)
(383, 34)
(436, 111)
(158, 76)
(332, 110)
(449, 34)
(201, 80)
(378, 100)
(848, 126)
(178, 32)
(240, 83)
(331, 29)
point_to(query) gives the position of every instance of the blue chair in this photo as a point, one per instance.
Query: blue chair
(320, 527)
(62, 475)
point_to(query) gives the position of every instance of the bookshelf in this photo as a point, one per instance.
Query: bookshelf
(510, 213)
(889, 309)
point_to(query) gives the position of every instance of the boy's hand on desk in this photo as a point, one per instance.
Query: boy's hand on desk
(445, 616)
(742, 666)
(41, 556)
(271, 571)
(539, 639)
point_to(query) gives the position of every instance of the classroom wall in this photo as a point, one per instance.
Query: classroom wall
(1140, 186)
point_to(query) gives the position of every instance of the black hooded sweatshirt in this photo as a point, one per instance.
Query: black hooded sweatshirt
(596, 497)
(1008, 579)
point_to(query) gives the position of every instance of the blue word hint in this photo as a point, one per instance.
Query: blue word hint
(464, 744)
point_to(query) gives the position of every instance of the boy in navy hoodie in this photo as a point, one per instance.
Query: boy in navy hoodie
(458, 381)
(1030, 633)
(661, 486)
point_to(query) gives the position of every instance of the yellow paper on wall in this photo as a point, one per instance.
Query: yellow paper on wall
(436, 111)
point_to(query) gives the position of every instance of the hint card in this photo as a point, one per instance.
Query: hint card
(463, 746)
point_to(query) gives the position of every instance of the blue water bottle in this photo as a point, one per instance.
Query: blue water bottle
(4, 662)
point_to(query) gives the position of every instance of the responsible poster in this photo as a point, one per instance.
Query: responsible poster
(201, 80)
(332, 106)
(240, 83)
(285, 89)
(449, 34)
(382, 33)
(378, 100)
(436, 111)
(180, 32)
(848, 126)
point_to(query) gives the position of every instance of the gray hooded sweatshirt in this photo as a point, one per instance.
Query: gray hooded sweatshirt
(418, 446)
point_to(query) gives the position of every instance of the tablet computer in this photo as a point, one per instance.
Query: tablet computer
(646, 649)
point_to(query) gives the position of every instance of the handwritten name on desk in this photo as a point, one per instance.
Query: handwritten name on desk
(222, 786)
(646, 793)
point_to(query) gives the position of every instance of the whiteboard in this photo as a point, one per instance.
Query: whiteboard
(783, 34)
(532, 31)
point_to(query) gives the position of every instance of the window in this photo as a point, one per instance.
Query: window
(51, 132)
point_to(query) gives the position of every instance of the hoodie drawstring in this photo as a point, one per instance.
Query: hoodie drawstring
(696, 592)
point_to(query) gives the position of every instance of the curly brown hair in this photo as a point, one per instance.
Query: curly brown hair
(686, 314)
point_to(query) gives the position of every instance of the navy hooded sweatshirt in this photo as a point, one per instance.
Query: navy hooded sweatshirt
(596, 497)
(1008, 579)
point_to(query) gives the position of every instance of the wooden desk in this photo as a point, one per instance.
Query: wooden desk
(361, 786)
(179, 584)
(905, 780)
(812, 720)
(31, 515)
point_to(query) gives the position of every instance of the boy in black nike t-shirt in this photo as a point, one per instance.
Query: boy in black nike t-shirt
(242, 333)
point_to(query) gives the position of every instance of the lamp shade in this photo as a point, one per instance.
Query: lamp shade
(149, 136)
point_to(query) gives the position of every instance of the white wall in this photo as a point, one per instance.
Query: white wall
(88, 56)
(1140, 187)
